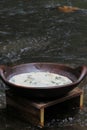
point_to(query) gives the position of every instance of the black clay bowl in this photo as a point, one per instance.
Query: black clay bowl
(75, 74)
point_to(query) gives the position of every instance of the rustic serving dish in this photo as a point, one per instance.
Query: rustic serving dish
(76, 75)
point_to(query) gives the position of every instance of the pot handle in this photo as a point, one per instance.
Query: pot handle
(2, 70)
(83, 72)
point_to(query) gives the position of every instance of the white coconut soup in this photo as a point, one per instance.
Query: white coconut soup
(39, 79)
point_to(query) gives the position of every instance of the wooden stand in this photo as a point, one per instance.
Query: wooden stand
(34, 111)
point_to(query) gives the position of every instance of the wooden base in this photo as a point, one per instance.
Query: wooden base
(34, 111)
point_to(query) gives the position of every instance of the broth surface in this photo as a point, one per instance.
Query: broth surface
(40, 79)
